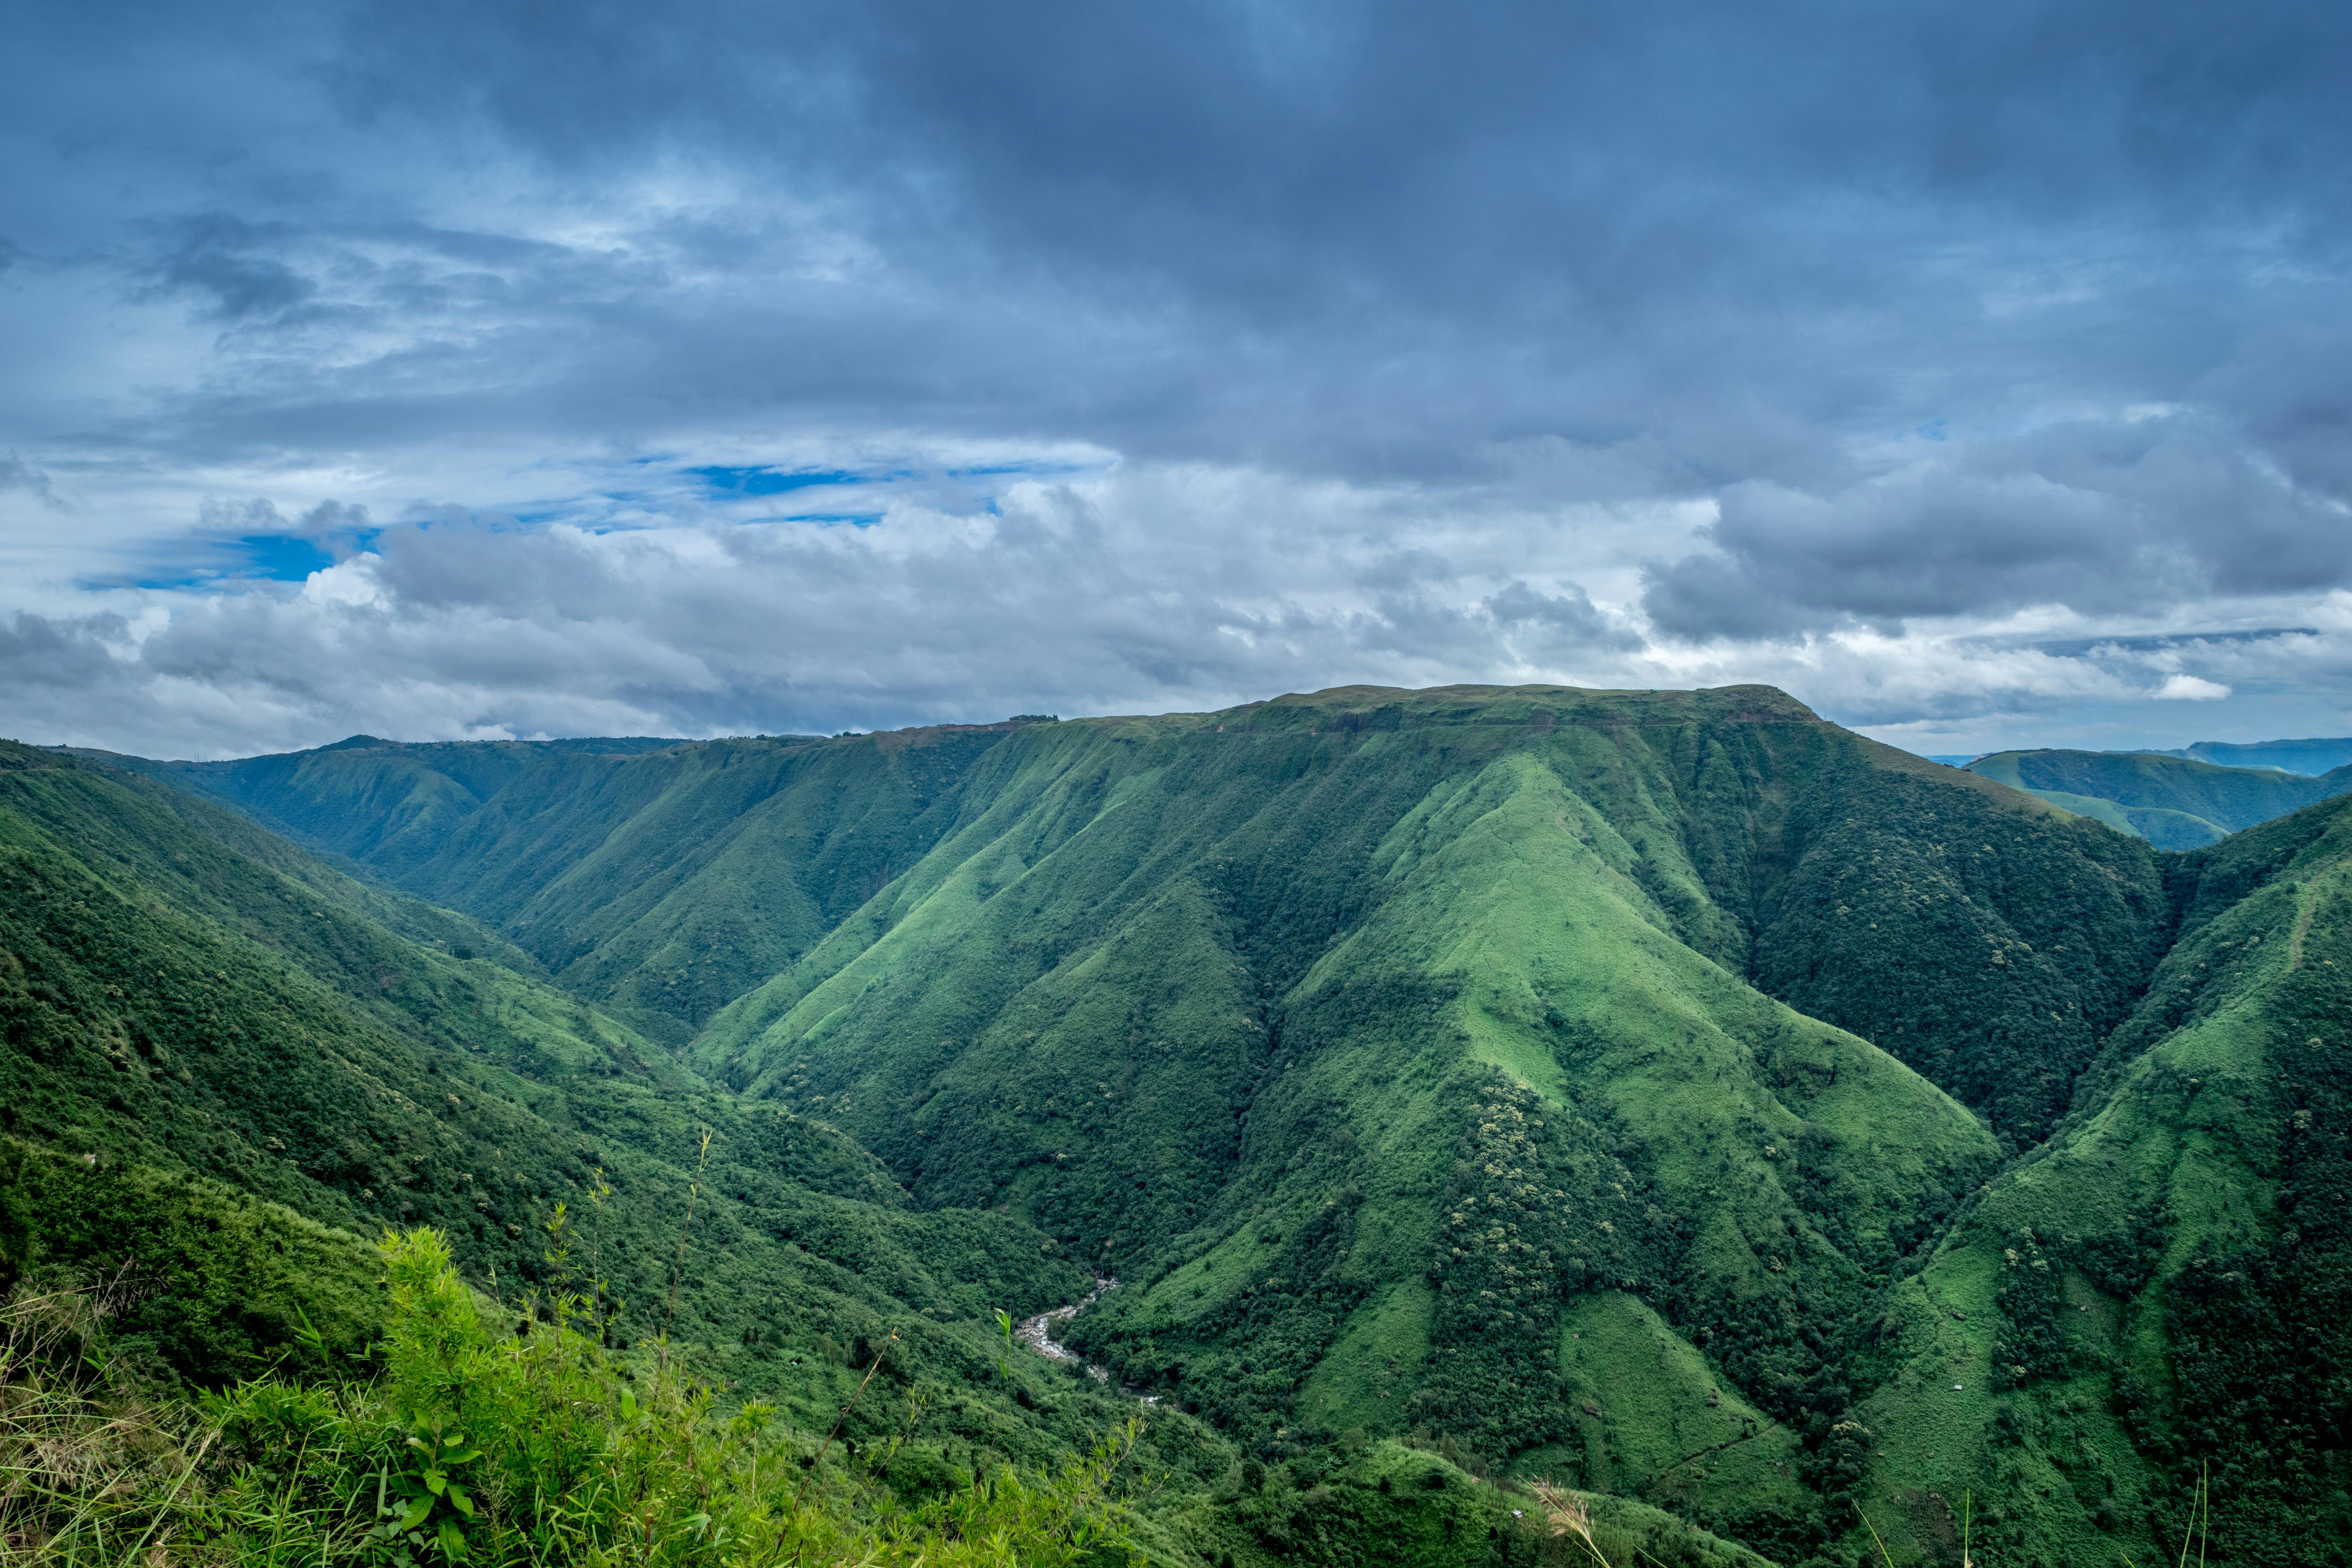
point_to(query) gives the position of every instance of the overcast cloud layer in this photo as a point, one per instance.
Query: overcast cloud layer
(1981, 374)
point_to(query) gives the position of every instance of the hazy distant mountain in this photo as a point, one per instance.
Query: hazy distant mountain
(2317, 756)
(2174, 802)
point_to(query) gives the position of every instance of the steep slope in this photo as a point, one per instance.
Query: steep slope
(1988, 945)
(2174, 802)
(195, 1280)
(1573, 1077)
(181, 993)
(664, 885)
(1395, 1047)
(173, 1008)
(670, 884)
(2168, 1285)
(660, 879)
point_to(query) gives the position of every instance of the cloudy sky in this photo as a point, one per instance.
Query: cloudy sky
(1980, 374)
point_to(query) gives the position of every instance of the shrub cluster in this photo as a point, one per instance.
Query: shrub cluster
(489, 1438)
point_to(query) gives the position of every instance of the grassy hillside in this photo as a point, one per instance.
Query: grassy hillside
(480, 1432)
(1665, 1093)
(386, 805)
(667, 885)
(196, 1281)
(173, 1006)
(2167, 1286)
(2174, 802)
(221, 1059)
(1365, 1034)
(661, 880)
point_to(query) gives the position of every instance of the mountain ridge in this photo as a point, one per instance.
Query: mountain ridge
(1590, 1078)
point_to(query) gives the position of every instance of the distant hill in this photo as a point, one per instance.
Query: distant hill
(2173, 802)
(2315, 756)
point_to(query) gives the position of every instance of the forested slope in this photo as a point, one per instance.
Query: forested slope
(170, 1004)
(1599, 1085)
(2168, 1285)
(1398, 1046)
(387, 804)
(661, 879)
(199, 1019)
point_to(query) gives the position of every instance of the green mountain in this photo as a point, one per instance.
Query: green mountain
(2174, 803)
(663, 880)
(2165, 1287)
(225, 1062)
(372, 800)
(1648, 1090)
(192, 1007)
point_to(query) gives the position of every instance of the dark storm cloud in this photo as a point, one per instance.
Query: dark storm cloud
(1409, 333)
(2105, 517)
(1382, 241)
(225, 265)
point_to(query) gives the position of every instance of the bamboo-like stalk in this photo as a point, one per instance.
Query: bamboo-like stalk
(678, 1272)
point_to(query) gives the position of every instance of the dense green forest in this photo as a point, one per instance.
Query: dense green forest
(1667, 1097)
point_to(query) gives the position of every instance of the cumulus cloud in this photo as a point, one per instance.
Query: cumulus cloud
(2106, 516)
(1125, 592)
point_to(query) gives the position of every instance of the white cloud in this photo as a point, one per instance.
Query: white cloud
(1134, 587)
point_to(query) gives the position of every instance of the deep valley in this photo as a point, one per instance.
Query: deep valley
(1672, 1095)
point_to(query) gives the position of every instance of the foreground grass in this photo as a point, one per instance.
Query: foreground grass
(474, 1445)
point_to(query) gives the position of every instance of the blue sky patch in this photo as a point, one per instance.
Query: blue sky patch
(767, 481)
(200, 563)
(281, 557)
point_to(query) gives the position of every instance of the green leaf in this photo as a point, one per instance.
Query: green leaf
(434, 1481)
(461, 1500)
(413, 1514)
(453, 1541)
